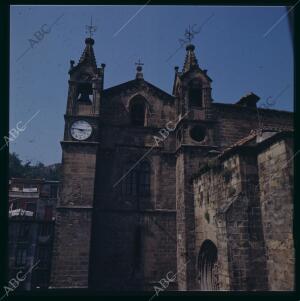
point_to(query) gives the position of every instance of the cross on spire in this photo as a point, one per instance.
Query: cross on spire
(189, 34)
(90, 28)
(139, 68)
(139, 63)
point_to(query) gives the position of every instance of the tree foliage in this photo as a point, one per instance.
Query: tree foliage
(18, 169)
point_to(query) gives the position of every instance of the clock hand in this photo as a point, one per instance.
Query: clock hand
(79, 129)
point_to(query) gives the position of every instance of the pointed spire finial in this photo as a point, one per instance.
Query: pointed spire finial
(189, 34)
(88, 55)
(139, 68)
(139, 65)
(190, 59)
(90, 28)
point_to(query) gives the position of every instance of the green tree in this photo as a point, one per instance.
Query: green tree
(17, 169)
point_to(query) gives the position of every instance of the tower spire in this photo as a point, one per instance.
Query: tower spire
(88, 55)
(190, 59)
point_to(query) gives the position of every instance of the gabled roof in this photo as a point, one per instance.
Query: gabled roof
(137, 84)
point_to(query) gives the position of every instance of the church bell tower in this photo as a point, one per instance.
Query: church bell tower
(71, 251)
(195, 138)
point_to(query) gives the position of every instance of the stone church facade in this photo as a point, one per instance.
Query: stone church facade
(158, 184)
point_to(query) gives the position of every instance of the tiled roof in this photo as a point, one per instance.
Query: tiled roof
(252, 137)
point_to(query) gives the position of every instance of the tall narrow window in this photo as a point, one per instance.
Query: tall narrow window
(129, 182)
(137, 111)
(137, 181)
(195, 94)
(144, 179)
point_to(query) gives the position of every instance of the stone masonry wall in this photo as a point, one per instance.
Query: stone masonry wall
(71, 248)
(227, 213)
(276, 186)
(188, 161)
(118, 217)
(236, 122)
(213, 191)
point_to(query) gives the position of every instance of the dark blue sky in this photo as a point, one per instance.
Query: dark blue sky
(231, 46)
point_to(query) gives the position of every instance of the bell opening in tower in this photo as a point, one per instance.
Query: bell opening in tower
(85, 93)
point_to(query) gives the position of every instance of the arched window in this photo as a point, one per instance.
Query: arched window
(137, 111)
(195, 93)
(207, 266)
(137, 181)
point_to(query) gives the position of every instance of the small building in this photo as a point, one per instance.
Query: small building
(32, 204)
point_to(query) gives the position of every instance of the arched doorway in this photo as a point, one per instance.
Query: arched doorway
(207, 266)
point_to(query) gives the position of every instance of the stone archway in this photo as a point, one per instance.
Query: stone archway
(208, 267)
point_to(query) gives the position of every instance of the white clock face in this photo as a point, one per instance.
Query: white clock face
(81, 130)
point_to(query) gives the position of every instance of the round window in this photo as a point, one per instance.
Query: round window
(197, 133)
